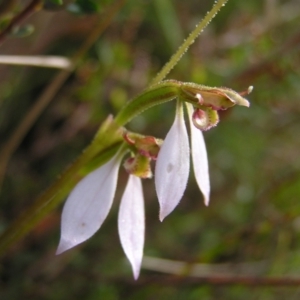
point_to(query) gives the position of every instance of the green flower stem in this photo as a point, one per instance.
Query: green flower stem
(188, 42)
(157, 94)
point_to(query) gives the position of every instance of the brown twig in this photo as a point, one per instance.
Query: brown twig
(31, 8)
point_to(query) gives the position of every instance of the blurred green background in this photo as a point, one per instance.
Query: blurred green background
(252, 226)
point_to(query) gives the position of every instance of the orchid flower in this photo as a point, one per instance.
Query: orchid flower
(89, 204)
(173, 164)
(90, 201)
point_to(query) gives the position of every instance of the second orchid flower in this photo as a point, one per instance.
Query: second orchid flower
(173, 163)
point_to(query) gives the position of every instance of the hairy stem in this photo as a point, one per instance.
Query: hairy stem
(188, 42)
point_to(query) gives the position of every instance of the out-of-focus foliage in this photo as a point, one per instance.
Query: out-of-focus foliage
(254, 215)
(53, 2)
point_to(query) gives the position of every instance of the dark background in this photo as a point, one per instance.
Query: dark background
(252, 226)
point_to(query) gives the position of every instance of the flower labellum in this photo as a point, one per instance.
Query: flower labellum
(131, 223)
(205, 119)
(172, 166)
(88, 205)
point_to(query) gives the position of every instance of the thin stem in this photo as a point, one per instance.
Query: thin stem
(188, 42)
(159, 94)
(46, 61)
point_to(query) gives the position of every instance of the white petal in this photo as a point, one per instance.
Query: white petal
(172, 166)
(88, 205)
(199, 157)
(131, 223)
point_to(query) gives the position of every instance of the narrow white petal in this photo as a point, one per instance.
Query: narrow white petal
(199, 157)
(88, 205)
(131, 223)
(172, 166)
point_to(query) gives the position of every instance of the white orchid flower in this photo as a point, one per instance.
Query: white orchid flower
(172, 165)
(90, 201)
